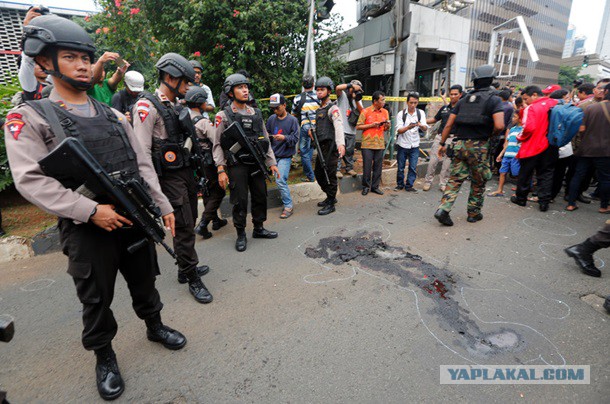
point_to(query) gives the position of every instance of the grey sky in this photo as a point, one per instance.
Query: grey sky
(586, 15)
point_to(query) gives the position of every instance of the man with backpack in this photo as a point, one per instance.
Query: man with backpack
(594, 151)
(410, 123)
(536, 154)
(304, 109)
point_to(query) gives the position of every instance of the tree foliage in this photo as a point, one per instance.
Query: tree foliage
(568, 74)
(6, 93)
(266, 38)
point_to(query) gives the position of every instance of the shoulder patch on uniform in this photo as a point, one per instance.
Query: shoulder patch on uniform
(142, 109)
(14, 123)
(336, 113)
(218, 121)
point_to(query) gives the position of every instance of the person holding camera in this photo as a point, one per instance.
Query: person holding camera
(374, 121)
(348, 100)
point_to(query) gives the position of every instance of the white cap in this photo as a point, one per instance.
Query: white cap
(134, 81)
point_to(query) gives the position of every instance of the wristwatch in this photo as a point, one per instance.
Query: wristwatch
(442, 144)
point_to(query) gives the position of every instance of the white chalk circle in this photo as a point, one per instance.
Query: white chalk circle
(549, 227)
(7, 317)
(555, 252)
(37, 285)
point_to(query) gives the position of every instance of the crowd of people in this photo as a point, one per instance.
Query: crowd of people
(145, 138)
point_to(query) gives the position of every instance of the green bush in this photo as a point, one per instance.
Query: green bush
(6, 93)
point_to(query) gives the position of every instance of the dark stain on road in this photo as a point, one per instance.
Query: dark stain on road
(408, 270)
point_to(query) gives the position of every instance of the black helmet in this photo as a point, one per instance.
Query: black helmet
(484, 72)
(196, 95)
(234, 80)
(308, 81)
(325, 82)
(53, 30)
(196, 64)
(176, 66)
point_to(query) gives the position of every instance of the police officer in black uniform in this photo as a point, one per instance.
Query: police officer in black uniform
(243, 173)
(329, 130)
(93, 235)
(196, 102)
(478, 117)
(155, 122)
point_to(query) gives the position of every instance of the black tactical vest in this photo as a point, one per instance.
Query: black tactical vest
(253, 128)
(205, 144)
(102, 135)
(168, 154)
(325, 129)
(473, 110)
(251, 124)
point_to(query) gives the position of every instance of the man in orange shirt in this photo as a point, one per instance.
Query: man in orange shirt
(373, 121)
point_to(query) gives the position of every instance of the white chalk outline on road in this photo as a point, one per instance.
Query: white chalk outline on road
(386, 230)
(531, 218)
(25, 287)
(11, 318)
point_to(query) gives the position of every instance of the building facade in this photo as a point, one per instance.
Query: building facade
(444, 47)
(547, 22)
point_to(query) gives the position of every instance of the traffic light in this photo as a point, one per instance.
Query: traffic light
(585, 61)
(323, 8)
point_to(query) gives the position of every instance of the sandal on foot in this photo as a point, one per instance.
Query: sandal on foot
(496, 194)
(604, 210)
(286, 213)
(571, 208)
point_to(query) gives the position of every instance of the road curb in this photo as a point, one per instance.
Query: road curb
(14, 248)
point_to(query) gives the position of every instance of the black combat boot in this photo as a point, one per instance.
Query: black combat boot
(583, 255)
(110, 384)
(156, 331)
(201, 270)
(474, 218)
(202, 229)
(517, 201)
(326, 202)
(218, 223)
(242, 242)
(327, 209)
(197, 288)
(261, 232)
(443, 217)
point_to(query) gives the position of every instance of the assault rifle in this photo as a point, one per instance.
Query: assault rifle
(234, 139)
(72, 165)
(197, 157)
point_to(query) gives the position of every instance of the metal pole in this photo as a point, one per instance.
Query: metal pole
(397, 67)
(309, 46)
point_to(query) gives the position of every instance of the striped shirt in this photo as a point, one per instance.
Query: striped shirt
(308, 112)
(513, 145)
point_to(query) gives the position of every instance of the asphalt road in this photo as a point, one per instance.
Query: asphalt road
(363, 305)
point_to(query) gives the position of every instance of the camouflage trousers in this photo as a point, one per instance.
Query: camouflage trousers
(470, 159)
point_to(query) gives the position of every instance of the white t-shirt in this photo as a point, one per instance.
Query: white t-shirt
(410, 138)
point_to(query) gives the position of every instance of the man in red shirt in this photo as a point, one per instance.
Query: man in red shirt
(535, 152)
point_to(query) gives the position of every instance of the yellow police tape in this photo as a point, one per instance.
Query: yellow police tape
(369, 98)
